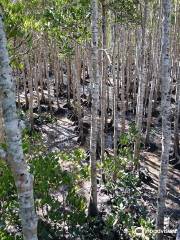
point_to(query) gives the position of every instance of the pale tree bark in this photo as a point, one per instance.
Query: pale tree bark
(40, 73)
(157, 88)
(94, 110)
(18, 88)
(176, 48)
(122, 88)
(68, 65)
(135, 76)
(177, 113)
(128, 69)
(166, 110)
(83, 69)
(1, 123)
(148, 71)
(23, 179)
(142, 81)
(46, 59)
(30, 87)
(155, 71)
(77, 78)
(104, 77)
(25, 88)
(115, 96)
(36, 79)
(178, 232)
(57, 74)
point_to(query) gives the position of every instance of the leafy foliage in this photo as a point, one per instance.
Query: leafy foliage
(126, 11)
(126, 208)
(59, 204)
(56, 195)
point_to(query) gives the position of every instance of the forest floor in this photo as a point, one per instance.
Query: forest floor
(61, 135)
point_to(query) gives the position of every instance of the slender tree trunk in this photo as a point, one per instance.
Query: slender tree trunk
(157, 89)
(153, 76)
(177, 113)
(122, 89)
(46, 58)
(23, 179)
(18, 90)
(94, 111)
(154, 73)
(141, 87)
(36, 79)
(176, 49)
(128, 69)
(115, 98)
(57, 75)
(166, 110)
(77, 78)
(30, 87)
(103, 79)
(68, 65)
(25, 89)
(40, 75)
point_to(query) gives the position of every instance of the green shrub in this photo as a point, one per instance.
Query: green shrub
(61, 210)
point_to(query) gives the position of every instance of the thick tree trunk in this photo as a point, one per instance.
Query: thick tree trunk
(166, 110)
(1, 123)
(23, 179)
(95, 106)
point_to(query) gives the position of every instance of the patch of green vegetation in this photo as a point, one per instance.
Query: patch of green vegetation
(59, 204)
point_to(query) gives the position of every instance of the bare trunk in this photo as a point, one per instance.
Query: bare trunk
(77, 78)
(30, 87)
(94, 115)
(177, 113)
(46, 58)
(36, 79)
(176, 49)
(122, 89)
(103, 79)
(68, 65)
(141, 88)
(166, 110)
(23, 179)
(1, 123)
(115, 100)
